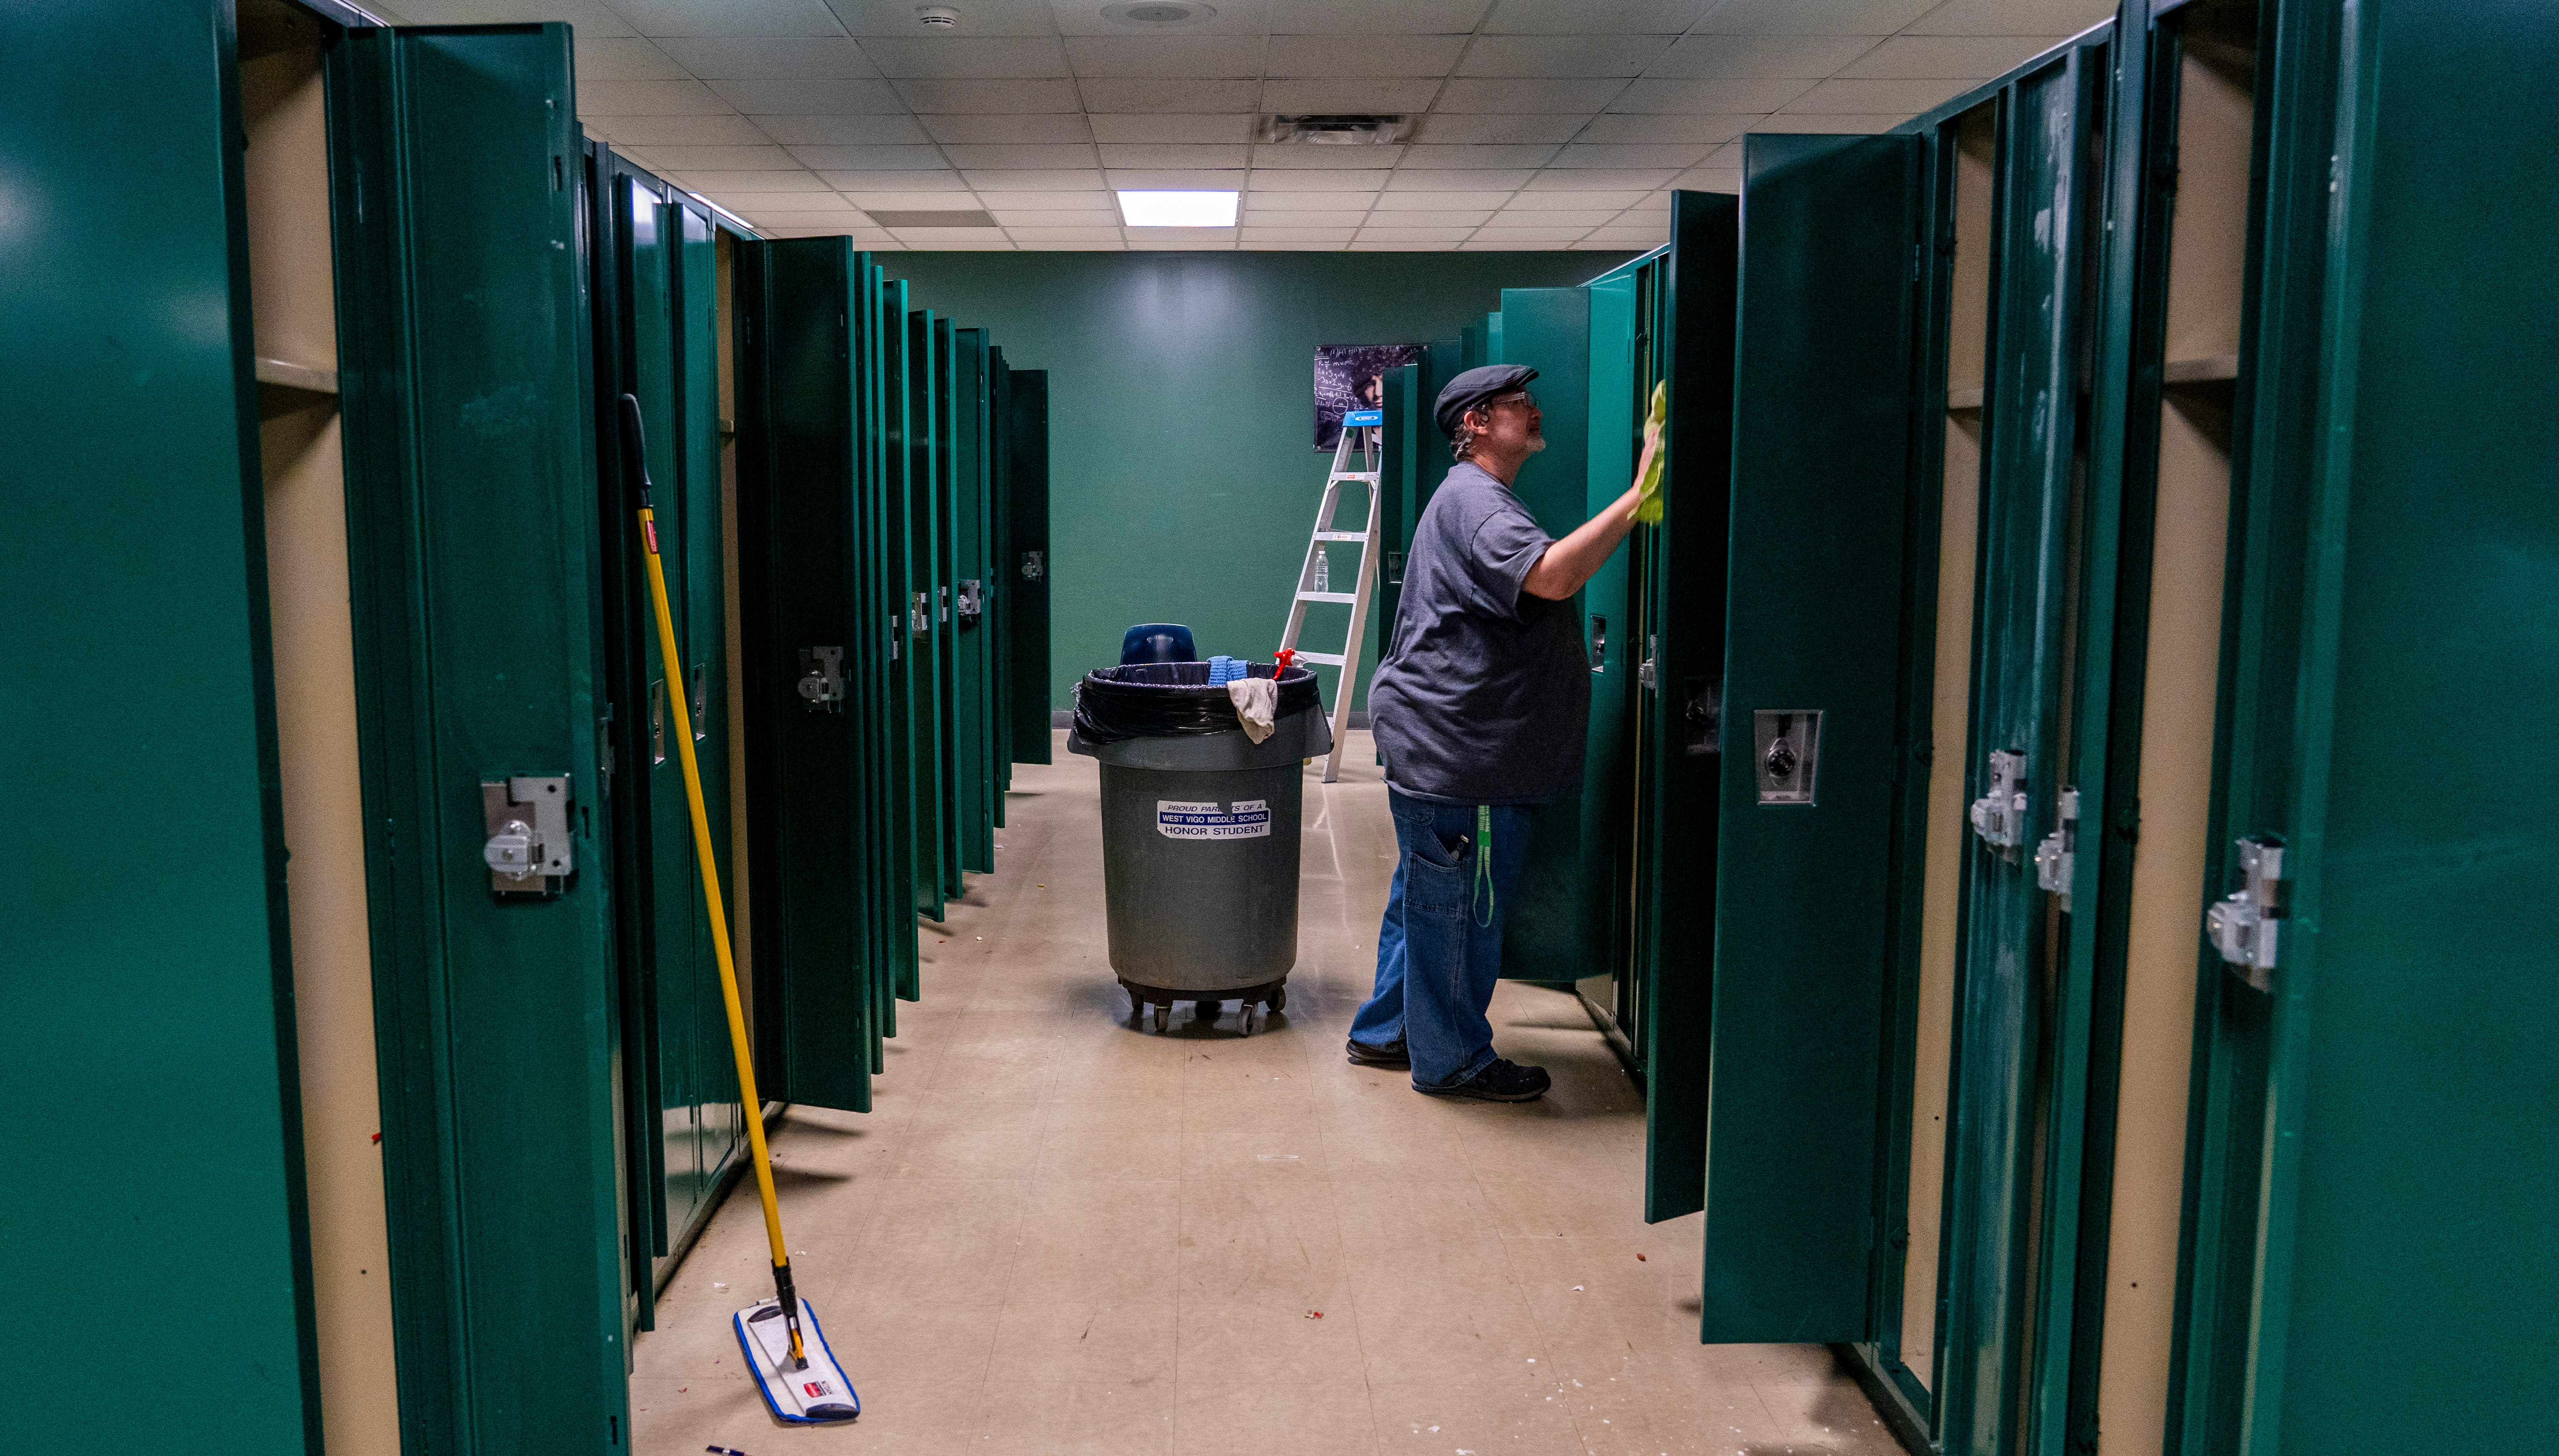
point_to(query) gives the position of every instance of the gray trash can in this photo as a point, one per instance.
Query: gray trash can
(1199, 857)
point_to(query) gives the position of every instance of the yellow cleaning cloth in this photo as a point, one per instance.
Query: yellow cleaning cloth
(1648, 505)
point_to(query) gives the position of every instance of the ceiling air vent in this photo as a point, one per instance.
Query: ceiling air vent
(1336, 130)
(969, 218)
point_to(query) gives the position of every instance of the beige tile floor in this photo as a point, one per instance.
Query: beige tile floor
(1056, 1232)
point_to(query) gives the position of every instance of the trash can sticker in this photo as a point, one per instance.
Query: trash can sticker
(1179, 819)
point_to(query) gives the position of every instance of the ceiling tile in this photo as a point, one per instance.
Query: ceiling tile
(1429, 158)
(1082, 200)
(681, 131)
(1038, 126)
(1166, 56)
(766, 217)
(1562, 54)
(1157, 155)
(1180, 236)
(1583, 17)
(1011, 217)
(1365, 93)
(755, 204)
(803, 232)
(650, 99)
(1258, 201)
(1002, 180)
(1429, 217)
(1360, 56)
(979, 18)
(1729, 155)
(1599, 179)
(1063, 236)
(1708, 96)
(858, 183)
(1971, 58)
(958, 58)
(1750, 58)
(2011, 18)
(1509, 243)
(1875, 98)
(1811, 123)
(1318, 179)
(1632, 154)
(1811, 17)
(1256, 218)
(1416, 236)
(1228, 127)
(1483, 200)
(905, 202)
(1576, 220)
(812, 57)
(729, 17)
(1459, 181)
(1256, 232)
(990, 97)
(1533, 94)
(587, 17)
(1159, 179)
(631, 59)
(1294, 157)
(954, 239)
(1710, 178)
(688, 160)
(1020, 156)
(1565, 202)
(870, 159)
(810, 97)
(1658, 128)
(1152, 94)
(1369, 17)
(1498, 130)
(1315, 242)
(721, 183)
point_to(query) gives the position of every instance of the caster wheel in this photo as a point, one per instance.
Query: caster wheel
(1244, 1019)
(1164, 1018)
(1278, 999)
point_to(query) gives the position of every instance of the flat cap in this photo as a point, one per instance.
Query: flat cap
(1472, 389)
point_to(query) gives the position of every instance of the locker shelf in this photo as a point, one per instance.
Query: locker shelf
(2220, 368)
(309, 378)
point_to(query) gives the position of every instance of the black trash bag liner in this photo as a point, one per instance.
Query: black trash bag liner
(1173, 700)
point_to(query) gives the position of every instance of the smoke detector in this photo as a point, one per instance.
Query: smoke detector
(1158, 12)
(1335, 131)
(938, 17)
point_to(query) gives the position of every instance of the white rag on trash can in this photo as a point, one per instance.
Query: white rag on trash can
(1256, 702)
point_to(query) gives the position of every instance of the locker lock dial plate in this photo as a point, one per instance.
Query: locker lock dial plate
(528, 852)
(1787, 745)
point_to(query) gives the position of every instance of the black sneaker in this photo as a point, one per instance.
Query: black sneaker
(1503, 1081)
(1390, 1055)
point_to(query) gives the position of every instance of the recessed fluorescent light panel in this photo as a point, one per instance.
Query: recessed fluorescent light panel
(1179, 209)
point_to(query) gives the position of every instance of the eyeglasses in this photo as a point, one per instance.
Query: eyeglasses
(1523, 399)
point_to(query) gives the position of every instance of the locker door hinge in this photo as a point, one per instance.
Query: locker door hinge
(1998, 815)
(893, 635)
(2246, 926)
(2057, 859)
(941, 604)
(822, 679)
(526, 816)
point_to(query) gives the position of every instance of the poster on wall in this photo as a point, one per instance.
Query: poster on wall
(1353, 376)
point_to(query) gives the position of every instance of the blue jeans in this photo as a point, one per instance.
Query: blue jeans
(1439, 949)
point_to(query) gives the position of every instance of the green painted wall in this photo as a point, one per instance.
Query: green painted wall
(1182, 473)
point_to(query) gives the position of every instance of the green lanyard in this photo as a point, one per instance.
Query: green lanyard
(1484, 904)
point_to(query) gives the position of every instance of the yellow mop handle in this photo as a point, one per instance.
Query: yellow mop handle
(673, 660)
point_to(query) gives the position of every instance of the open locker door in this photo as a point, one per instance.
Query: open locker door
(149, 989)
(1821, 465)
(1026, 598)
(1680, 754)
(479, 664)
(805, 635)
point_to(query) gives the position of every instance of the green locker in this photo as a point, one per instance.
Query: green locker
(1025, 601)
(972, 659)
(889, 826)
(936, 871)
(943, 383)
(908, 702)
(816, 912)
(997, 601)
(1810, 747)
(147, 698)
(471, 472)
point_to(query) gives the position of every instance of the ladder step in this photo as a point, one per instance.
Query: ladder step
(1342, 535)
(1369, 476)
(1345, 598)
(1329, 660)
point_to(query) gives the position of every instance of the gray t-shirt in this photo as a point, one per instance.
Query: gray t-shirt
(1483, 695)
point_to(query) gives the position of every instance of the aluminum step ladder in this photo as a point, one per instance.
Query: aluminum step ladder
(1365, 425)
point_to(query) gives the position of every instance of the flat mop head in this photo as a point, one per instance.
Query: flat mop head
(810, 1396)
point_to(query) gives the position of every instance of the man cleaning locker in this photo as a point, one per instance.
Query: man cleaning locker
(1480, 707)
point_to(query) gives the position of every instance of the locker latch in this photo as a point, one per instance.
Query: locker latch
(2057, 858)
(822, 679)
(1395, 569)
(1788, 742)
(941, 604)
(920, 615)
(1703, 716)
(1599, 642)
(526, 816)
(1999, 816)
(2246, 926)
(973, 601)
(1034, 565)
(1645, 673)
